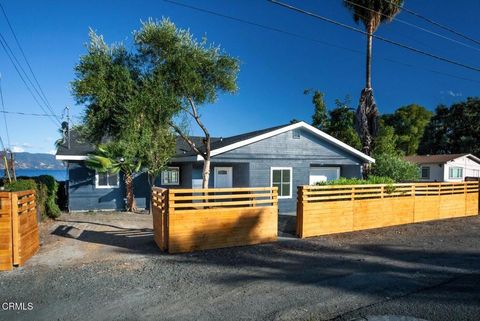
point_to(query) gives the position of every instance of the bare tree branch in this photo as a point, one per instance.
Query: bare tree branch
(186, 139)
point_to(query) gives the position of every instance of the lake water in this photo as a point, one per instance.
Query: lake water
(58, 174)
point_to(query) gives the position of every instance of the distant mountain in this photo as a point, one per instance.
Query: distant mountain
(36, 161)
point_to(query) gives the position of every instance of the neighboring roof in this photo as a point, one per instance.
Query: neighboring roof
(438, 159)
(79, 150)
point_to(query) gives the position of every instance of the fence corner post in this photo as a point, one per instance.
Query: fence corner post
(15, 229)
(300, 208)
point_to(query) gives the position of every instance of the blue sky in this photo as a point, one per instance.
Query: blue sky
(275, 68)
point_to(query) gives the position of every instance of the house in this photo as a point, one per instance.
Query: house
(284, 156)
(446, 167)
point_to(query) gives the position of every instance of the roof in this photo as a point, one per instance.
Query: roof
(437, 159)
(79, 150)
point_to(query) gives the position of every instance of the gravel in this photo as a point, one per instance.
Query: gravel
(107, 267)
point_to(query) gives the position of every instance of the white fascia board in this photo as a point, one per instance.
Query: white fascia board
(302, 124)
(70, 157)
(473, 157)
(185, 159)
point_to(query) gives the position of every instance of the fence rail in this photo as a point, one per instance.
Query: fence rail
(195, 219)
(341, 208)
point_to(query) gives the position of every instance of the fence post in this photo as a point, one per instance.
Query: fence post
(300, 211)
(15, 229)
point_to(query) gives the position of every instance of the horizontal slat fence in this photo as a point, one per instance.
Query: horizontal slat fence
(6, 246)
(332, 209)
(19, 234)
(199, 219)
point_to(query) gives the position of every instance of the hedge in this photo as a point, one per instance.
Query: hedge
(46, 188)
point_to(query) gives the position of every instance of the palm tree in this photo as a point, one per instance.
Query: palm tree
(106, 160)
(371, 13)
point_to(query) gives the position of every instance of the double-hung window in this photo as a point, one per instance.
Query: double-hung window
(281, 177)
(107, 180)
(171, 176)
(455, 172)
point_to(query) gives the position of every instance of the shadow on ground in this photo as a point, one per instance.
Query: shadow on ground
(137, 240)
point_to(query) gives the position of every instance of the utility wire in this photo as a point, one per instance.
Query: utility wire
(24, 82)
(413, 25)
(25, 114)
(303, 37)
(12, 54)
(444, 27)
(296, 35)
(4, 115)
(25, 58)
(425, 53)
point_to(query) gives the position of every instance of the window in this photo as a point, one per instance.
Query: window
(455, 172)
(107, 180)
(296, 134)
(425, 172)
(476, 173)
(171, 176)
(281, 177)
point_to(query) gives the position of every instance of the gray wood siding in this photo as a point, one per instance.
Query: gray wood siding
(283, 146)
(83, 196)
(285, 151)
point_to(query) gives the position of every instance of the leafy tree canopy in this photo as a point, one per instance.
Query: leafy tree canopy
(341, 124)
(409, 123)
(320, 115)
(454, 129)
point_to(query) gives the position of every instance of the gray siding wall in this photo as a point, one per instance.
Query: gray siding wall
(251, 167)
(83, 196)
(285, 151)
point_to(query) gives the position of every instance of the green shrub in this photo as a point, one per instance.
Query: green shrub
(21, 185)
(45, 187)
(396, 168)
(51, 207)
(358, 181)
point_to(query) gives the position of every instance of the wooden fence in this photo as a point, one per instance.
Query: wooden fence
(332, 209)
(19, 237)
(186, 220)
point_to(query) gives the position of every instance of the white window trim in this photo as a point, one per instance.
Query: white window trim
(169, 168)
(451, 168)
(106, 186)
(291, 179)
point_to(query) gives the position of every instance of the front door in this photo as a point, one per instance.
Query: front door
(223, 177)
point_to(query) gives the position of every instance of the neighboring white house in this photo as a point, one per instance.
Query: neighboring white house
(446, 167)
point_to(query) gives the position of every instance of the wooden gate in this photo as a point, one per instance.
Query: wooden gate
(19, 236)
(187, 220)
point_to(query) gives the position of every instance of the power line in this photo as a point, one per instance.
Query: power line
(296, 35)
(25, 114)
(314, 15)
(303, 37)
(4, 115)
(12, 54)
(413, 26)
(25, 58)
(23, 80)
(442, 26)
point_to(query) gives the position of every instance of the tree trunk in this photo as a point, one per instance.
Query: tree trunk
(206, 172)
(366, 119)
(131, 203)
(368, 79)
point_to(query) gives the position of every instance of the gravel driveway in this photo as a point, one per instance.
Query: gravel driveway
(106, 267)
